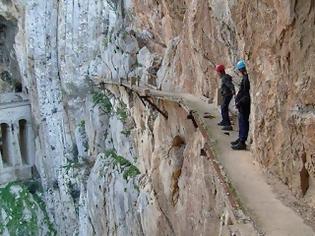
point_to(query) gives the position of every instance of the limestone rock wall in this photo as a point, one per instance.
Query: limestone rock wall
(144, 186)
(283, 127)
(58, 45)
(173, 192)
(65, 48)
(276, 40)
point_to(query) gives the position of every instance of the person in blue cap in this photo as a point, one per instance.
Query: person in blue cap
(243, 103)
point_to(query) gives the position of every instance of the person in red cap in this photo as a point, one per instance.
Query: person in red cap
(227, 92)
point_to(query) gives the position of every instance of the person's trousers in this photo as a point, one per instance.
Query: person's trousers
(225, 110)
(243, 122)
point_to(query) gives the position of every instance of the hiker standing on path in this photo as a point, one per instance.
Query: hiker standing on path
(242, 102)
(227, 92)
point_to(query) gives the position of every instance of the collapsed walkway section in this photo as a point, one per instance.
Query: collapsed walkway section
(17, 149)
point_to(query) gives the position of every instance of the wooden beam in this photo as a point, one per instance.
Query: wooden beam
(192, 118)
(163, 113)
(141, 99)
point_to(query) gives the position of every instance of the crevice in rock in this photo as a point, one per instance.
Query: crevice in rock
(304, 176)
(175, 188)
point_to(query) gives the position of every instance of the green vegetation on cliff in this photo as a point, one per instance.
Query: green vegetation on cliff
(102, 101)
(121, 112)
(129, 170)
(22, 211)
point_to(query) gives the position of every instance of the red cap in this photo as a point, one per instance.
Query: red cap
(220, 68)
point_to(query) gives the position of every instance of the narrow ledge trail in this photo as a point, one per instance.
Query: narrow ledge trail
(269, 214)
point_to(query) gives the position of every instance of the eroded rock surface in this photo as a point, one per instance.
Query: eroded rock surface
(277, 41)
(63, 49)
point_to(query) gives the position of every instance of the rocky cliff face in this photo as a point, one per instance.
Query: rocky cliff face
(104, 163)
(107, 163)
(169, 186)
(276, 39)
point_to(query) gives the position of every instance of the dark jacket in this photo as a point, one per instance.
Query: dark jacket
(242, 99)
(227, 87)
